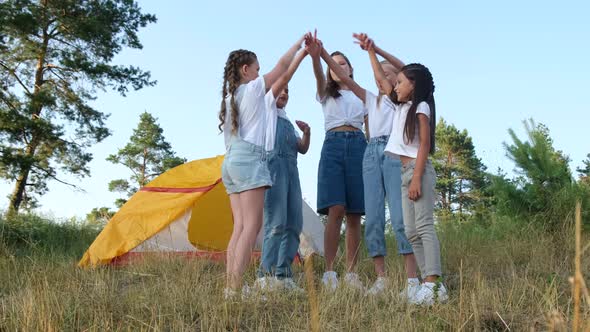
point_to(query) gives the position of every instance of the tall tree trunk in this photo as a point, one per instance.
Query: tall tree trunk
(16, 198)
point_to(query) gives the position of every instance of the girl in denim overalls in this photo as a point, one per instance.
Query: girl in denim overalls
(245, 120)
(382, 174)
(340, 178)
(412, 139)
(283, 218)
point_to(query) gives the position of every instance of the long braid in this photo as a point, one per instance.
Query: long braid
(231, 82)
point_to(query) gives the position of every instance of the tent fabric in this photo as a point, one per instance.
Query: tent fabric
(184, 210)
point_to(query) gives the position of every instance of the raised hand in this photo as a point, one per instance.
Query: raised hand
(363, 40)
(304, 127)
(313, 46)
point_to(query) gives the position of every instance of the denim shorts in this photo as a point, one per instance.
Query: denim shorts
(244, 167)
(340, 173)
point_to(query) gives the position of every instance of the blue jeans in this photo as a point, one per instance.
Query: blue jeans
(382, 179)
(340, 173)
(283, 216)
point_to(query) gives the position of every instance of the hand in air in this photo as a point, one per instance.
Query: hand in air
(313, 46)
(303, 126)
(364, 41)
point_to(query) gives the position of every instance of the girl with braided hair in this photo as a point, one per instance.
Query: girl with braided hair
(245, 120)
(412, 139)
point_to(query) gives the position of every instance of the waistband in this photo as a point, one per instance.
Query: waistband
(379, 139)
(346, 134)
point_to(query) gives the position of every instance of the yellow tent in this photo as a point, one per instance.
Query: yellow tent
(184, 210)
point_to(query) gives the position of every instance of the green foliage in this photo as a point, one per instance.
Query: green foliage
(27, 234)
(585, 170)
(147, 155)
(543, 190)
(99, 217)
(55, 56)
(461, 178)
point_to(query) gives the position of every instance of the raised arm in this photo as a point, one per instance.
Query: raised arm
(314, 48)
(397, 63)
(284, 79)
(380, 77)
(354, 87)
(281, 67)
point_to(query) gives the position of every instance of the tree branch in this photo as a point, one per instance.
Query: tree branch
(49, 174)
(13, 73)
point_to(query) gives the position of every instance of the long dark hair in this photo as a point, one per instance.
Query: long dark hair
(331, 85)
(231, 82)
(421, 77)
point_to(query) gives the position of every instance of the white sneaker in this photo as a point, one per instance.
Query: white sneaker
(289, 284)
(229, 294)
(250, 294)
(378, 287)
(411, 289)
(430, 293)
(352, 280)
(330, 281)
(266, 284)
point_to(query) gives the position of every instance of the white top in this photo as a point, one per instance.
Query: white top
(347, 110)
(397, 143)
(380, 114)
(254, 117)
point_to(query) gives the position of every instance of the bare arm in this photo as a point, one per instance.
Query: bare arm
(282, 82)
(303, 143)
(354, 87)
(397, 63)
(380, 77)
(281, 67)
(367, 133)
(314, 49)
(415, 189)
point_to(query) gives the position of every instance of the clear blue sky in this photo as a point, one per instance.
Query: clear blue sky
(494, 64)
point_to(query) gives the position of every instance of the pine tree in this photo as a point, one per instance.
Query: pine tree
(460, 173)
(147, 155)
(54, 56)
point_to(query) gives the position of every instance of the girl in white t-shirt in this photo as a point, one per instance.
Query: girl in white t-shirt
(244, 117)
(340, 178)
(382, 173)
(412, 139)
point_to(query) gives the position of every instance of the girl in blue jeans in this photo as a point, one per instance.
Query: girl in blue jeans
(382, 174)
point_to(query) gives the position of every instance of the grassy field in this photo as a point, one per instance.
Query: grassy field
(503, 276)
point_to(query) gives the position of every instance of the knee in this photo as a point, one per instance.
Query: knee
(337, 211)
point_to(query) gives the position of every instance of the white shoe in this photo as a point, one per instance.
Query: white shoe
(330, 281)
(229, 294)
(250, 294)
(289, 284)
(352, 280)
(266, 284)
(411, 289)
(430, 293)
(378, 287)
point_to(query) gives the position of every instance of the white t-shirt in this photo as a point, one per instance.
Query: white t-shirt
(380, 114)
(253, 111)
(347, 110)
(271, 120)
(397, 143)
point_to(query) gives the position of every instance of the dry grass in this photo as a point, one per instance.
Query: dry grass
(500, 278)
